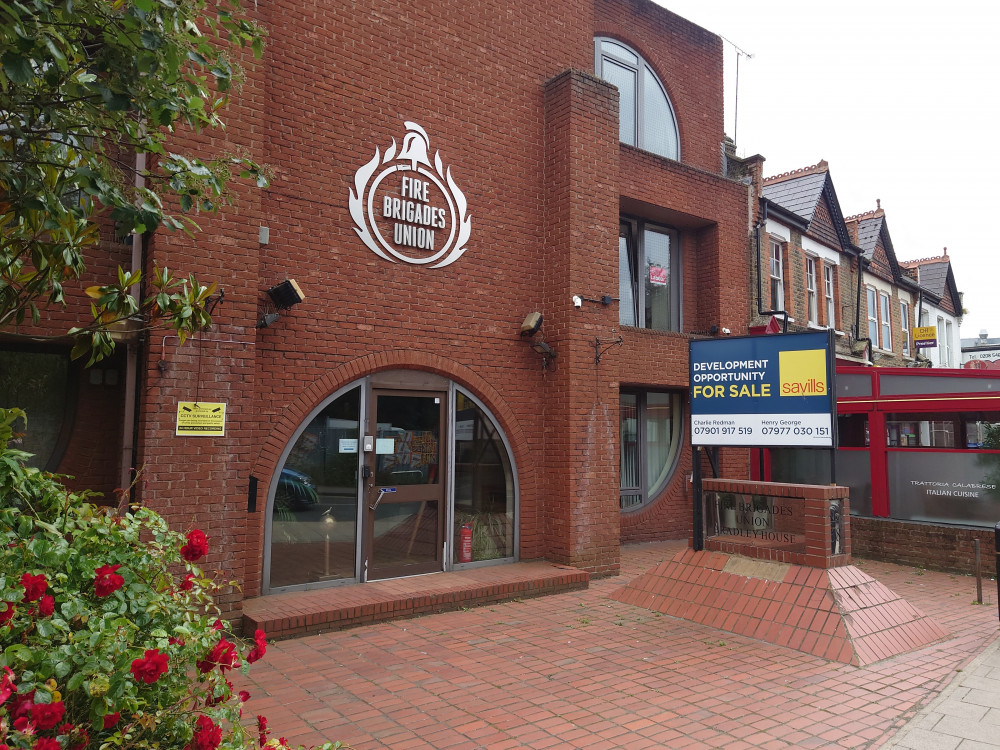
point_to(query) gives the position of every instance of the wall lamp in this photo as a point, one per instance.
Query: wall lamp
(286, 294)
(606, 299)
(282, 297)
(532, 325)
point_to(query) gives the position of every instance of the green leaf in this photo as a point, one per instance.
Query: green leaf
(75, 681)
(149, 39)
(17, 68)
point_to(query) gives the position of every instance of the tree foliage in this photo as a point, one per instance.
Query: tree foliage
(90, 93)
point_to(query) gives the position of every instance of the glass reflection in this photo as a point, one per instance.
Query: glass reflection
(314, 516)
(484, 487)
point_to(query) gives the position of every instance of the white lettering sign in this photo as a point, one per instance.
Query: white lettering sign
(411, 210)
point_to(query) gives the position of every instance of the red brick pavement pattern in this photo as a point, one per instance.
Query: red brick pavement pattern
(841, 614)
(581, 670)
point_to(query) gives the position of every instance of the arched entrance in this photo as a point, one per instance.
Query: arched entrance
(399, 473)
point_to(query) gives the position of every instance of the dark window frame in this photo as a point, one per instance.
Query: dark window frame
(633, 309)
(641, 69)
(649, 494)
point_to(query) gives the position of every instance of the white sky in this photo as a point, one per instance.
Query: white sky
(902, 100)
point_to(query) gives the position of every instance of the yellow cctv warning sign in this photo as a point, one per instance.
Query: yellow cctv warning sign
(200, 419)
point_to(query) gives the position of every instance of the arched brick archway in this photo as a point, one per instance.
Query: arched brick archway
(296, 412)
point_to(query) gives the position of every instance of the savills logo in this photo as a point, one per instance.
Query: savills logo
(802, 373)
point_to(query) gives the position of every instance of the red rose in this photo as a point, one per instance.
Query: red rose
(7, 686)
(47, 715)
(34, 586)
(47, 605)
(196, 547)
(244, 696)
(259, 649)
(106, 580)
(223, 654)
(46, 743)
(188, 583)
(207, 735)
(111, 719)
(22, 705)
(7, 614)
(150, 667)
(23, 724)
(262, 728)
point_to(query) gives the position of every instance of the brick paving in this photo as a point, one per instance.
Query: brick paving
(580, 670)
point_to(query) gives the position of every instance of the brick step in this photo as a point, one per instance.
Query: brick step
(297, 613)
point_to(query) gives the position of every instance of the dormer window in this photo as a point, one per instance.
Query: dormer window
(645, 117)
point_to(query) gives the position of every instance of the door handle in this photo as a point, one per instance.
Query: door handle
(374, 505)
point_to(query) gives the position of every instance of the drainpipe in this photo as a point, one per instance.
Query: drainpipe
(130, 418)
(760, 310)
(857, 312)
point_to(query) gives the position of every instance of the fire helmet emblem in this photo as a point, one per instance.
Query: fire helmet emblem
(405, 223)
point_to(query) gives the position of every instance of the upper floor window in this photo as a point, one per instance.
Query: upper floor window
(904, 325)
(947, 343)
(777, 278)
(645, 118)
(886, 321)
(648, 276)
(831, 307)
(872, 316)
(942, 349)
(812, 302)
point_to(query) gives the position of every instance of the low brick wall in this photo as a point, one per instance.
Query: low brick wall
(924, 545)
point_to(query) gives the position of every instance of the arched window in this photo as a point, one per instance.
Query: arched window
(651, 432)
(646, 118)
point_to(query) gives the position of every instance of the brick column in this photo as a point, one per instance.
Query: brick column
(580, 492)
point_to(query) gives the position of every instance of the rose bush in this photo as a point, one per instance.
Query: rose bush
(109, 634)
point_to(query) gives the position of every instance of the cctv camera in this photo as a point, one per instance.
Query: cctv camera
(577, 300)
(726, 331)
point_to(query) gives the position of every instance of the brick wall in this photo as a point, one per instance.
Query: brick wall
(505, 94)
(924, 545)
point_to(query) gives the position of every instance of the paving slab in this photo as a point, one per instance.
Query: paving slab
(580, 670)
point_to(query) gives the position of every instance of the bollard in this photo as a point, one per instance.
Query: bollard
(978, 565)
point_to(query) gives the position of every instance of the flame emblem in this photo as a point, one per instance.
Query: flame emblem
(412, 161)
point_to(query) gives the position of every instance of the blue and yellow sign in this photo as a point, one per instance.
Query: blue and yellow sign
(763, 390)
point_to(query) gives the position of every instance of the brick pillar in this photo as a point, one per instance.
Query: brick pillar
(201, 482)
(580, 516)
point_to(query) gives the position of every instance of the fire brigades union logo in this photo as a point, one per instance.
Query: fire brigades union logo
(411, 210)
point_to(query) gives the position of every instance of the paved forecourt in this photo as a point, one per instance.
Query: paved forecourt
(579, 669)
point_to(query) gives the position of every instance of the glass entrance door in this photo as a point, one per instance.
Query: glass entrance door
(404, 490)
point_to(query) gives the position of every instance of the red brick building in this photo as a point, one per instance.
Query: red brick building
(441, 172)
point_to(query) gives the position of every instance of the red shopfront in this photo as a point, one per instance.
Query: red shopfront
(915, 445)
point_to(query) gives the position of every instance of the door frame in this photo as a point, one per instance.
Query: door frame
(369, 491)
